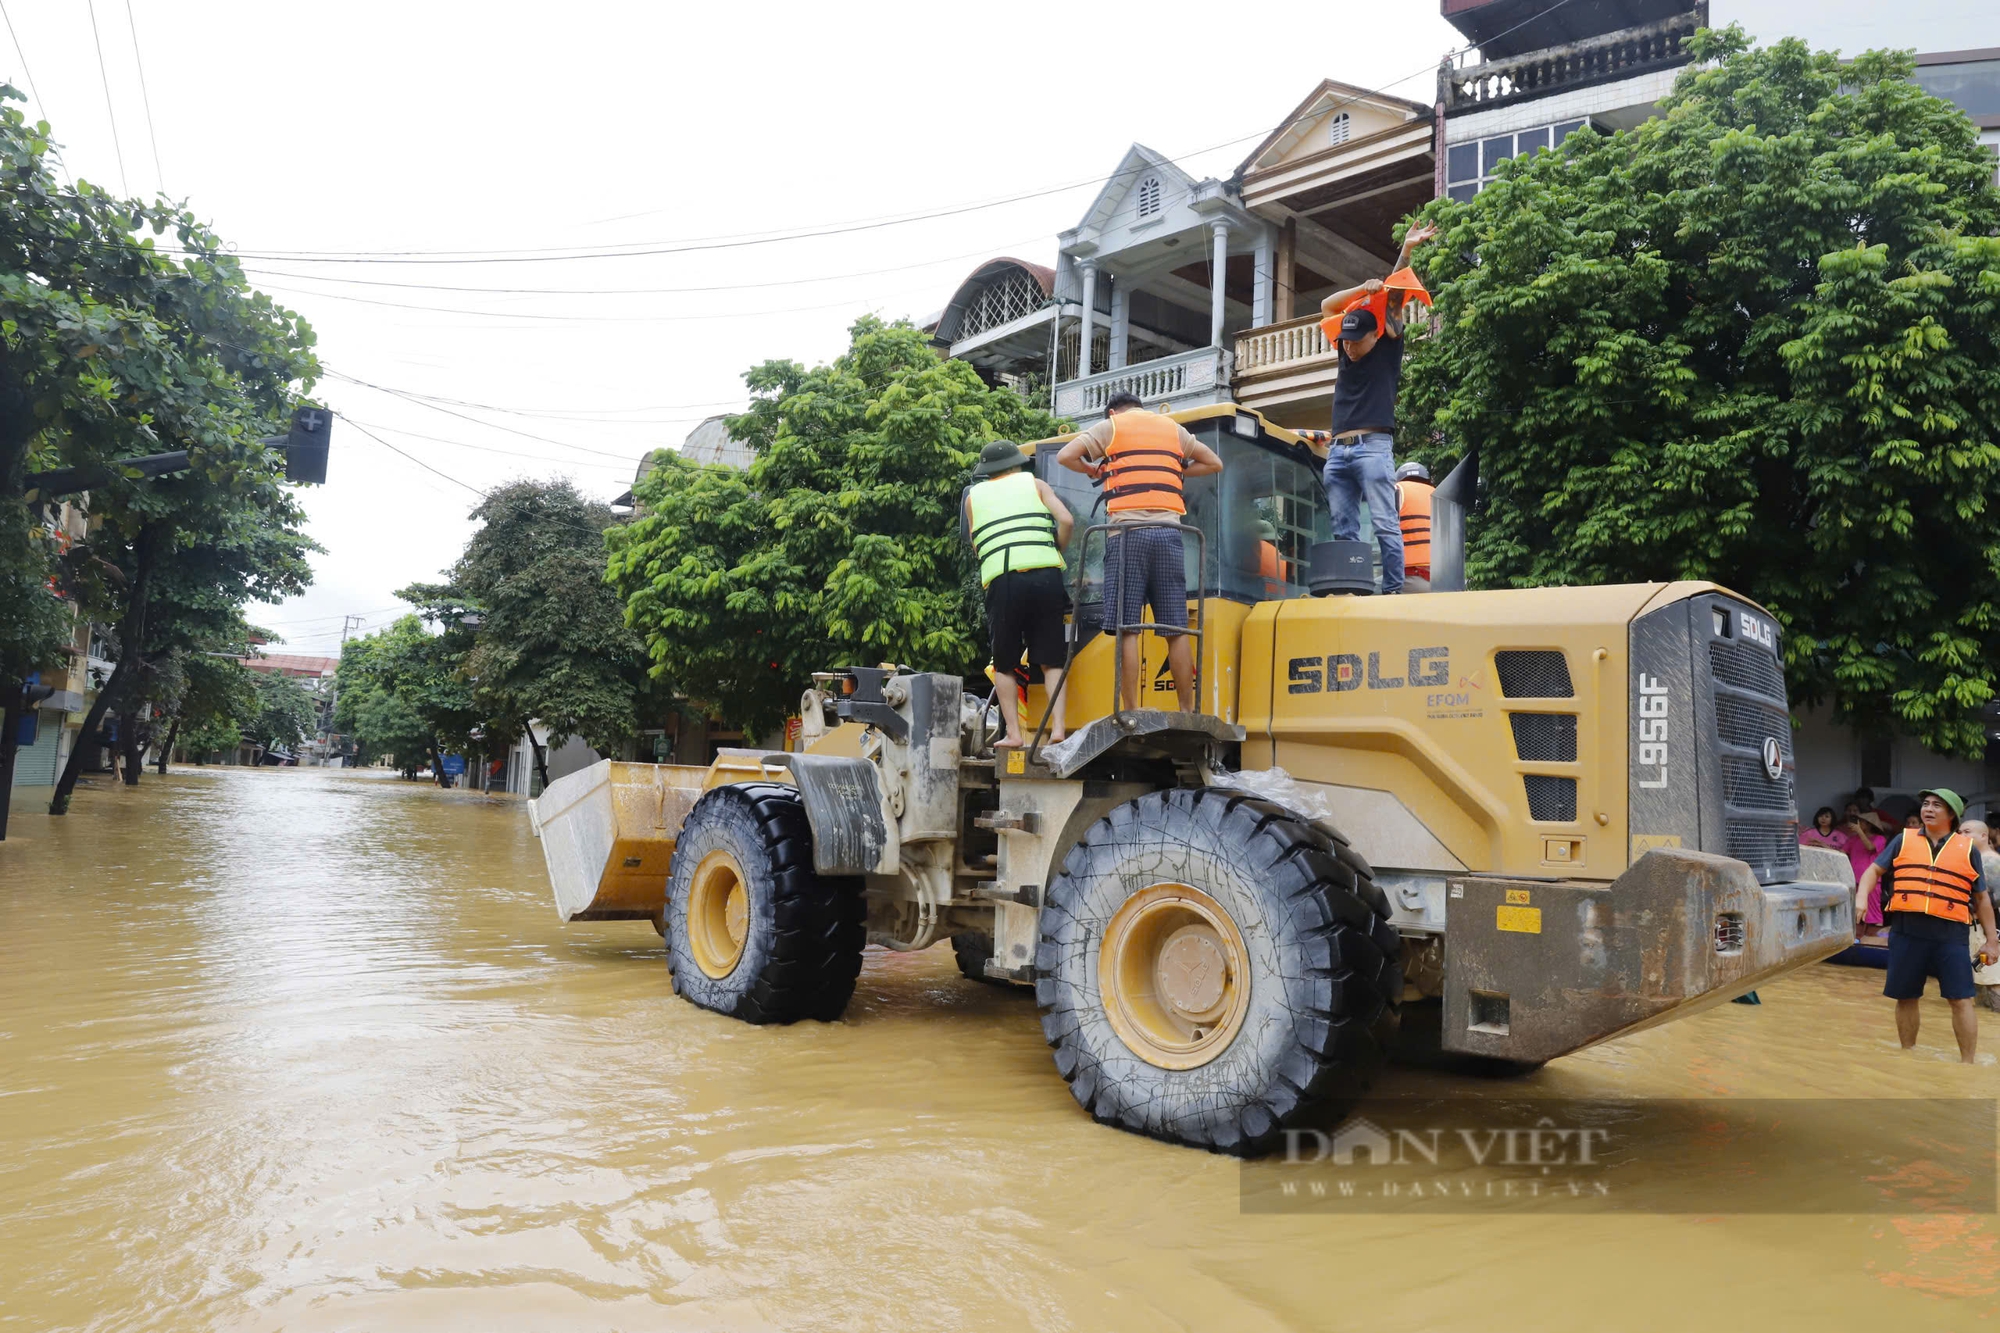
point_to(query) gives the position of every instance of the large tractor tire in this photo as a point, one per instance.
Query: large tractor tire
(1213, 969)
(973, 949)
(752, 930)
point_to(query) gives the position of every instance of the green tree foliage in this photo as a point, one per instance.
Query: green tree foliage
(840, 544)
(1754, 340)
(400, 693)
(551, 643)
(111, 347)
(286, 712)
(216, 704)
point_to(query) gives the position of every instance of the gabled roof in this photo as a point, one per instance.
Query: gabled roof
(1330, 96)
(1138, 161)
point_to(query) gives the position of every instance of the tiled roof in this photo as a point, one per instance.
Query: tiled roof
(291, 664)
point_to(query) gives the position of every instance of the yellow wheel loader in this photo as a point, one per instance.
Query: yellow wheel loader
(1517, 823)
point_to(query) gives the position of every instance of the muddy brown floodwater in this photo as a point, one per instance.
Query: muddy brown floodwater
(310, 1050)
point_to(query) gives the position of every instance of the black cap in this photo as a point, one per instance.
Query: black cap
(1358, 324)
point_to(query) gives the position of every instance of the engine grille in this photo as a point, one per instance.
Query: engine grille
(1746, 722)
(1760, 813)
(1533, 674)
(1746, 784)
(1747, 668)
(1550, 798)
(1761, 845)
(1544, 738)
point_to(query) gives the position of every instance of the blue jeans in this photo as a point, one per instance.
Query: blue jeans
(1366, 470)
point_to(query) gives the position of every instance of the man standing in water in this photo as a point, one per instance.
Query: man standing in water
(1936, 888)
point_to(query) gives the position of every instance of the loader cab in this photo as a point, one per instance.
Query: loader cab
(1259, 518)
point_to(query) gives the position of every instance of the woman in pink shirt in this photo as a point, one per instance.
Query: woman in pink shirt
(1863, 845)
(1822, 833)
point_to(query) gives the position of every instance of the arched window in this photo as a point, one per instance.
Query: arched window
(1339, 128)
(1149, 196)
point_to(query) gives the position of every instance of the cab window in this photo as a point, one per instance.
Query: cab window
(1260, 519)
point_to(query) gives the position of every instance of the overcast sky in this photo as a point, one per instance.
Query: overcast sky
(539, 130)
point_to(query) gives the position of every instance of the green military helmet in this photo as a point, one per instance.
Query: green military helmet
(1952, 800)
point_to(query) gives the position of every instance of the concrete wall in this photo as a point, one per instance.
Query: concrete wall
(1853, 26)
(569, 757)
(1829, 759)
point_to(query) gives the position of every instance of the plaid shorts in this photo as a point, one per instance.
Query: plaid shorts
(1154, 560)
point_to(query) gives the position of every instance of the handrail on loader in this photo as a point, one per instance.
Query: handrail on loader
(1195, 630)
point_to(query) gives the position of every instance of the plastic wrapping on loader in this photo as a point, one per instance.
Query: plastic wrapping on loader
(1276, 785)
(608, 836)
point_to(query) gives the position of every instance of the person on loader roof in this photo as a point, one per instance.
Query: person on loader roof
(1365, 324)
(1019, 529)
(1143, 457)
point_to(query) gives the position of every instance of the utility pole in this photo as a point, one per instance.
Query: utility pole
(348, 624)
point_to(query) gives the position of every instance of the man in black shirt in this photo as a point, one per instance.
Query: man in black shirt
(1361, 461)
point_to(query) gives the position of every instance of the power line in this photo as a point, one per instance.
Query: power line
(510, 453)
(489, 425)
(466, 485)
(646, 249)
(412, 457)
(636, 291)
(591, 416)
(109, 110)
(564, 414)
(581, 319)
(22, 52)
(145, 98)
(301, 622)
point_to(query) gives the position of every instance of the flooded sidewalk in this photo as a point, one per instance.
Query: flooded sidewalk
(309, 1049)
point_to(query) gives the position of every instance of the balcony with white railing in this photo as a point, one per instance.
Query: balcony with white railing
(1186, 379)
(1626, 54)
(1286, 371)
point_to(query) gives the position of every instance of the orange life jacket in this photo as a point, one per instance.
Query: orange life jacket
(1142, 468)
(1402, 280)
(1413, 499)
(1934, 886)
(1271, 568)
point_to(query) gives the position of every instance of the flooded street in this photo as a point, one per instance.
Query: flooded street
(311, 1050)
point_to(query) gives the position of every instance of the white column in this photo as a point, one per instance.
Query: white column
(1264, 281)
(1089, 329)
(1217, 282)
(1121, 322)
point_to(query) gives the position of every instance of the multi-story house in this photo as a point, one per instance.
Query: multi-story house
(49, 731)
(1538, 73)
(1193, 291)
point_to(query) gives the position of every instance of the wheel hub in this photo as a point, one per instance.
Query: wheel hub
(718, 914)
(1174, 973)
(1191, 971)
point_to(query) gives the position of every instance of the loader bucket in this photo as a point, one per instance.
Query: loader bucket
(608, 835)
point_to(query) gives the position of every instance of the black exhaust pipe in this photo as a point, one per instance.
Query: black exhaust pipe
(1450, 504)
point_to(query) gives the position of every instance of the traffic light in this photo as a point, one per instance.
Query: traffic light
(305, 447)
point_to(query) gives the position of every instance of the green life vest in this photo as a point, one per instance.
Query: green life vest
(1011, 528)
